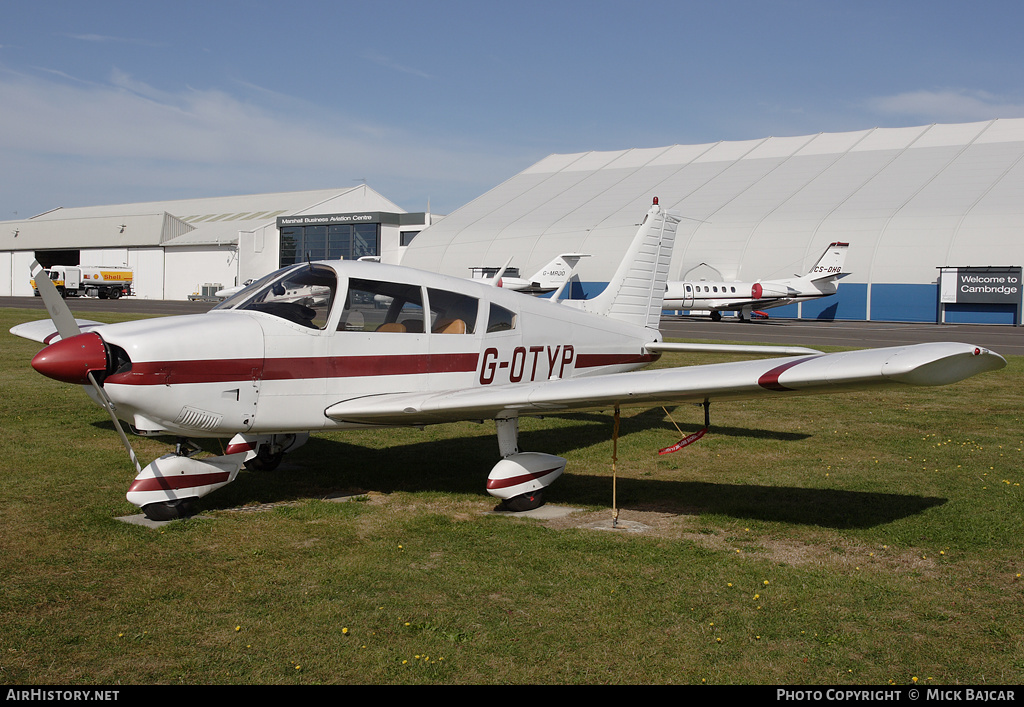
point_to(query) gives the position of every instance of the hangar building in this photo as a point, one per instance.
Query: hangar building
(181, 249)
(913, 203)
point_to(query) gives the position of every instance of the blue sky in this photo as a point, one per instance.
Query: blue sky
(118, 102)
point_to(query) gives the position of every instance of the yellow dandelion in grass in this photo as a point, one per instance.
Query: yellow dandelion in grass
(766, 583)
(238, 628)
(344, 631)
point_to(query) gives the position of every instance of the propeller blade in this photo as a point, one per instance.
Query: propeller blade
(61, 315)
(109, 405)
(67, 327)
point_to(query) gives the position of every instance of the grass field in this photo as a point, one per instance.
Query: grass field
(864, 538)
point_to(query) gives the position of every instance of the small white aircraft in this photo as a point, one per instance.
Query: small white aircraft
(228, 291)
(748, 297)
(550, 278)
(307, 349)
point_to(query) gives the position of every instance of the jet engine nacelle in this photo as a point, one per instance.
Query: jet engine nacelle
(523, 473)
(763, 290)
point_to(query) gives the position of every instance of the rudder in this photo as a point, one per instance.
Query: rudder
(636, 292)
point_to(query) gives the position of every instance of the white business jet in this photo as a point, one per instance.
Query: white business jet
(748, 297)
(307, 349)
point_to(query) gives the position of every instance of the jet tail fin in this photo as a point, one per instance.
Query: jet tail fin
(831, 262)
(558, 273)
(636, 292)
(558, 270)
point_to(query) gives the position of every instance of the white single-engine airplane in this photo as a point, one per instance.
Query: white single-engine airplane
(748, 297)
(306, 349)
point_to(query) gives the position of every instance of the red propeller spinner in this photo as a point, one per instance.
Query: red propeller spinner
(70, 360)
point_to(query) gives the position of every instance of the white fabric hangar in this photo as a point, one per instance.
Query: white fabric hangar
(909, 201)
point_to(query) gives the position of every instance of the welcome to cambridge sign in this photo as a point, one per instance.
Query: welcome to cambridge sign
(1000, 285)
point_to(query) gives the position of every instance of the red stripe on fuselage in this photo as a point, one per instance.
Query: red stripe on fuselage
(247, 369)
(223, 371)
(593, 360)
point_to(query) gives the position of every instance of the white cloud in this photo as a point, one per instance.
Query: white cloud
(949, 105)
(64, 134)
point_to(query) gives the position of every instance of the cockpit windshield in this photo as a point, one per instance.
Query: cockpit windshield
(255, 286)
(301, 293)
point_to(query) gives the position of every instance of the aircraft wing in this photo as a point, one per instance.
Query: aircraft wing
(764, 303)
(922, 364)
(45, 331)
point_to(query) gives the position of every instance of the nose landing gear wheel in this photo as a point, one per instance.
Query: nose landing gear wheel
(265, 459)
(523, 502)
(170, 510)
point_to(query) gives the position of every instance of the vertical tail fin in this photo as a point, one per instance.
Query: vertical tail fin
(831, 262)
(636, 292)
(555, 274)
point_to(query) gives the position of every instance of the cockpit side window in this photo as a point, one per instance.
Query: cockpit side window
(500, 319)
(373, 305)
(302, 295)
(452, 312)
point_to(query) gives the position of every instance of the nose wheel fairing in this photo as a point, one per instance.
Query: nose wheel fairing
(173, 478)
(520, 478)
(167, 487)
